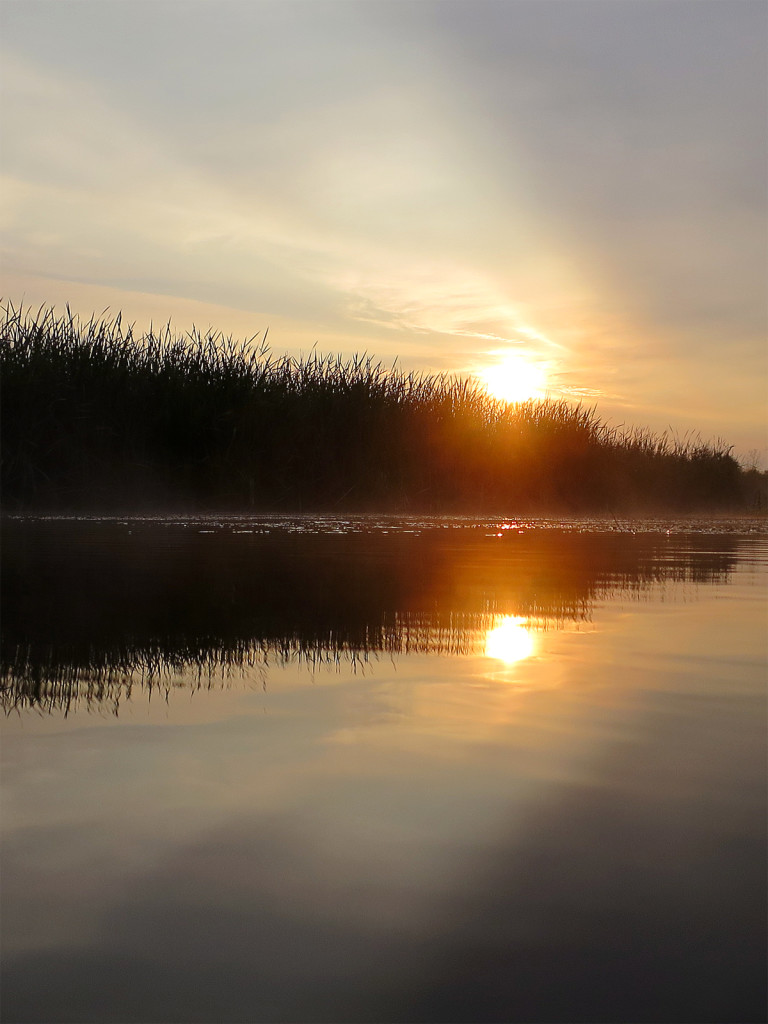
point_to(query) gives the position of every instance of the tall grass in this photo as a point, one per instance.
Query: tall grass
(95, 417)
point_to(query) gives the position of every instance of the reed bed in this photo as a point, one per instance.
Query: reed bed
(94, 417)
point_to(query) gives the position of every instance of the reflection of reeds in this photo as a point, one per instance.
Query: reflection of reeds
(108, 677)
(93, 417)
(94, 609)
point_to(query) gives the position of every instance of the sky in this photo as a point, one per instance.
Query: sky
(579, 184)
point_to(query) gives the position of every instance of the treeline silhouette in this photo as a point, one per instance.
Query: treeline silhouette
(95, 418)
(92, 609)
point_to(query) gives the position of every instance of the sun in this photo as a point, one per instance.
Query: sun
(514, 379)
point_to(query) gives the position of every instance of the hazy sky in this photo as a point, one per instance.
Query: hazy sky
(580, 181)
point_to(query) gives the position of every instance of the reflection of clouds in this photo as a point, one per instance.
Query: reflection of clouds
(510, 640)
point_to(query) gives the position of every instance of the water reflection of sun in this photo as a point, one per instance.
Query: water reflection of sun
(509, 641)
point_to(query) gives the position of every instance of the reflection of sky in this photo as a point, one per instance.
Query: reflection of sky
(406, 837)
(583, 182)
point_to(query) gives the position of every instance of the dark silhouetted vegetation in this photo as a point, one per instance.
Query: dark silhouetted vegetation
(754, 488)
(95, 418)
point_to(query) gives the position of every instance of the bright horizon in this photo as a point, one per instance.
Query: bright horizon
(575, 188)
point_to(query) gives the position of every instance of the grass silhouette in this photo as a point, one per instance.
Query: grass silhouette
(96, 418)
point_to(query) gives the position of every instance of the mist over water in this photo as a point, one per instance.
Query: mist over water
(383, 768)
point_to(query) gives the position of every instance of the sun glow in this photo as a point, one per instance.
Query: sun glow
(515, 379)
(509, 641)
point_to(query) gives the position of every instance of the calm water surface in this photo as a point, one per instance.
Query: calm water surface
(384, 770)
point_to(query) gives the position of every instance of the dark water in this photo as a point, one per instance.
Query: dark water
(383, 769)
